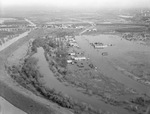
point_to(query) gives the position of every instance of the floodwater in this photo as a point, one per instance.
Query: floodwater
(116, 53)
(49, 80)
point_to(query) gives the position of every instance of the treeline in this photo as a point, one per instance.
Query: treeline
(49, 44)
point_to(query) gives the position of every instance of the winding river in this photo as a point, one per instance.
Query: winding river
(50, 81)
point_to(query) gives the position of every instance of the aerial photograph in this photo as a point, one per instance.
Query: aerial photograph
(74, 56)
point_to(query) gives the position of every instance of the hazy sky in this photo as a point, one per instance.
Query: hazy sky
(78, 3)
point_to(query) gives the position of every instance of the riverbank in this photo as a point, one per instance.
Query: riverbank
(18, 95)
(26, 100)
(20, 88)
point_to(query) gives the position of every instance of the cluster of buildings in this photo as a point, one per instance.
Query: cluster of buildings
(145, 12)
(16, 25)
(74, 56)
(56, 26)
(92, 30)
(62, 26)
(10, 28)
(71, 41)
(137, 36)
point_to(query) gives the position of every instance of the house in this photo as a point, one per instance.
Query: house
(73, 44)
(72, 54)
(69, 61)
(95, 29)
(78, 58)
(99, 45)
(72, 40)
(80, 27)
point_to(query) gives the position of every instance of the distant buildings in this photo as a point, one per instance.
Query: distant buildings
(136, 36)
(16, 26)
(63, 26)
(99, 45)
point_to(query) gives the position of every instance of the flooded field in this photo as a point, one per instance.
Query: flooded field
(120, 53)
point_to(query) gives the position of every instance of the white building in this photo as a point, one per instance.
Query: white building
(72, 54)
(69, 61)
(79, 58)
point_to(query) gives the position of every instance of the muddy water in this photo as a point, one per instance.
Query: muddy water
(51, 82)
(117, 51)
